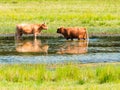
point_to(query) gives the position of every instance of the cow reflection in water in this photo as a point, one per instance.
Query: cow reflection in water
(31, 46)
(74, 47)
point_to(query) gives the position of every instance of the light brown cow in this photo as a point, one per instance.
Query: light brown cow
(29, 29)
(31, 46)
(73, 32)
(75, 47)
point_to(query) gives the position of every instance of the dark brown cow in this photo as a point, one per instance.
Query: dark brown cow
(74, 47)
(31, 46)
(29, 29)
(73, 32)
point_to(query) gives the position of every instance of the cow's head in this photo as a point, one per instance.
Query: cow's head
(60, 30)
(43, 26)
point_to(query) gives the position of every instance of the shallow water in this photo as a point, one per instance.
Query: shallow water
(59, 50)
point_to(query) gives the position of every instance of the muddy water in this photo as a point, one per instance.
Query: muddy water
(59, 50)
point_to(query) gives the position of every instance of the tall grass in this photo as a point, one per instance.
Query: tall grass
(107, 74)
(70, 72)
(102, 17)
(22, 73)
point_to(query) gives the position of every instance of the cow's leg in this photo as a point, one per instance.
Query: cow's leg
(78, 38)
(67, 38)
(85, 36)
(17, 35)
(71, 39)
(20, 36)
(35, 36)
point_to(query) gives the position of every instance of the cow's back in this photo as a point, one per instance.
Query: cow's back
(25, 28)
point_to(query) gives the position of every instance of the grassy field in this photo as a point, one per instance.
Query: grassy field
(99, 16)
(57, 86)
(57, 77)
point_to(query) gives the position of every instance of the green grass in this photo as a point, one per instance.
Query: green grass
(57, 86)
(107, 74)
(99, 18)
(20, 73)
(66, 76)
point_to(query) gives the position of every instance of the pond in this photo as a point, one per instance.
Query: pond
(51, 50)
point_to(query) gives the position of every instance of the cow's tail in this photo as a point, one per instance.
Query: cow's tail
(16, 32)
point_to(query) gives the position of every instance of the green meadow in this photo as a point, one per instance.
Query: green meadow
(60, 77)
(98, 16)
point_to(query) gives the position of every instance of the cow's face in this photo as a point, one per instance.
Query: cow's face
(44, 26)
(60, 30)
